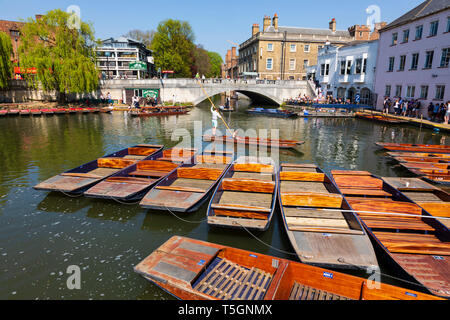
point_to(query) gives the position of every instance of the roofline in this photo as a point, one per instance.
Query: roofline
(389, 26)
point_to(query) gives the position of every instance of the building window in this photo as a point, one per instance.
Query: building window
(394, 39)
(343, 62)
(358, 66)
(410, 90)
(401, 66)
(445, 58)
(349, 67)
(306, 49)
(327, 69)
(270, 47)
(15, 33)
(423, 92)
(398, 91)
(405, 36)
(391, 64)
(429, 59)
(414, 61)
(434, 28)
(322, 70)
(419, 32)
(448, 25)
(292, 64)
(269, 64)
(293, 48)
(364, 69)
(387, 91)
(305, 64)
(440, 90)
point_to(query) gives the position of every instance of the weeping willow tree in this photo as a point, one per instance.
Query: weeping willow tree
(5, 60)
(62, 53)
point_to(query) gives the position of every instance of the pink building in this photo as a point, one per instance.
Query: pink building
(414, 54)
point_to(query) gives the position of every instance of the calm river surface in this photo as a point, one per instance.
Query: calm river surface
(42, 234)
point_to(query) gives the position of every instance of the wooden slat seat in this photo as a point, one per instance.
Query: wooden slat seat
(131, 180)
(148, 173)
(365, 192)
(294, 169)
(303, 292)
(134, 157)
(82, 175)
(103, 172)
(199, 173)
(248, 185)
(301, 176)
(422, 196)
(261, 202)
(252, 175)
(302, 186)
(309, 199)
(258, 215)
(396, 224)
(188, 185)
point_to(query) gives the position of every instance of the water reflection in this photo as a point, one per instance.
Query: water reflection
(41, 234)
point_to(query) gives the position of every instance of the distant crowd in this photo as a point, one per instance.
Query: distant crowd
(306, 100)
(437, 112)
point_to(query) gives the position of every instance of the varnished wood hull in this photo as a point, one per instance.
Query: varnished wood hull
(76, 181)
(328, 239)
(189, 186)
(196, 270)
(269, 143)
(410, 240)
(245, 197)
(415, 147)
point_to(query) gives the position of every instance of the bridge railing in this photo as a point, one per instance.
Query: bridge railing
(206, 82)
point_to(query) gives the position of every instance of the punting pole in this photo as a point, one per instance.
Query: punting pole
(212, 103)
(387, 213)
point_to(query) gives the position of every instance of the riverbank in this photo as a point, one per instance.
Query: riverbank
(417, 122)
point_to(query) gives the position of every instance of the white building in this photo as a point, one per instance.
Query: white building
(124, 58)
(348, 72)
(414, 55)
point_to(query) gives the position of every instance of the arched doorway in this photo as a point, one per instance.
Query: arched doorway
(366, 96)
(351, 94)
(341, 93)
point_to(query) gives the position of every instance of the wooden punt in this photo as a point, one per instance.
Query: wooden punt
(189, 185)
(380, 118)
(47, 112)
(36, 112)
(445, 167)
(434, 200)
(270, 143)
(416, 244)
(79, 179)
(73, 110)
(25, 112)
(3, 113)
(427, 159)
(59, 111)
(246, 195)
(440, 156)
(158, 113)
(134, 182)
(414, 147)
(13, 112)
(195, 270)
(434, 176)
(320, 233)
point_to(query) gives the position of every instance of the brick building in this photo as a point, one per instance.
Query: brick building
(12, 29)
(277, 52)
(231, 64)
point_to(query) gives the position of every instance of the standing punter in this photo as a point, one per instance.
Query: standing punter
(215, 115)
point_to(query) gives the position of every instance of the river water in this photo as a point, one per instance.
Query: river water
(42, 234)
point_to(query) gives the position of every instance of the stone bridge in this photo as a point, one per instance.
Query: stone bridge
(195, 91)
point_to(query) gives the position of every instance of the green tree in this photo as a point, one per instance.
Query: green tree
(201, 64)
(172, 46)
(63, 55)
(5, 60)
(216, 62)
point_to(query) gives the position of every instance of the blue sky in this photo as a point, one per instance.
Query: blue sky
(214, 22)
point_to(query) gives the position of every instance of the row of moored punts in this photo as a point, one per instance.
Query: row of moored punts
(430, 162)
(345, 220)
(51, 111)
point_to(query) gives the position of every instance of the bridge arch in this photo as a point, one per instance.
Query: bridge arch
(257, 97)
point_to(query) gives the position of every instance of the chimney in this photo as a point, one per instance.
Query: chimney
(255, 29)
(275, 21)
(233, 52)
(266, 23)
(333, 25)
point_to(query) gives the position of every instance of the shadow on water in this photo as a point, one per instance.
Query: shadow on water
(58, 202)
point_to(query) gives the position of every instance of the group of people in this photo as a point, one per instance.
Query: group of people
(437, 112)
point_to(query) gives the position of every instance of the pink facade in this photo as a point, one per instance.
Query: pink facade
(415, 63)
